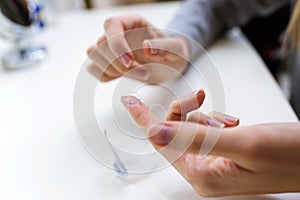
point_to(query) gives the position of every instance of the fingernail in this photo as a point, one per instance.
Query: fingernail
(213, 122)
(139, 73)
(194, 93)
(160, 134)
(130, 100)
(154, 51)
(230, 119)
(126, 60)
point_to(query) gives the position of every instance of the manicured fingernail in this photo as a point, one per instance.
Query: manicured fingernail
(230, 119)
(160, 134)
(126, 60)
(213, 122)
(130, 100)
(192, 94)
(139, 73)
(154, 51)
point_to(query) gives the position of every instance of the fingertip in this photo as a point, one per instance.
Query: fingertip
(146, 44)
(178, 109)
(146, 49)
(150, 48)
(196, 93)
(237, 122)
(200, 94)
(127, 59)
(231, 121)
(196, 97)
(129, 100)
(139, 111)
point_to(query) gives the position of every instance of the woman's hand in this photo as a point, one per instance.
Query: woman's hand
(244, 160)
(131, 46)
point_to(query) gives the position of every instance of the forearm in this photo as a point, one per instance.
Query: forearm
(282, 142)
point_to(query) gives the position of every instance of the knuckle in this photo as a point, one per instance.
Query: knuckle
(101, 40)
(116, 44)
(207, 186)
(121, 70)
(201, 177)
(106, 78)
(195, 117)
(213, 114)
(101, 49)
(207, 193)
(103, 79)
(174, 105)
(201, 191)
(109, 21)
(191, 118)
(203, 180)
(110, 72)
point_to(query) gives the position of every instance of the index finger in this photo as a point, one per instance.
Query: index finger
(139, 111)
(114, 31)
(145, 119)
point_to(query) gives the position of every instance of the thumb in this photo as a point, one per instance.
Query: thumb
(194, 138)
(171, 48)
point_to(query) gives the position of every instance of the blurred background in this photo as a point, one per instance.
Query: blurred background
(265, 36)
(77, 4)
(265, 33)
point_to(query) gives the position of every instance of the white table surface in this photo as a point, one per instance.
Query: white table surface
(41, 156)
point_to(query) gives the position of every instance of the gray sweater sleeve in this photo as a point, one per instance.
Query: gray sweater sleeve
(205, 20)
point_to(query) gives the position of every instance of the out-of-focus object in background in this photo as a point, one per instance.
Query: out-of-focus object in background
(66, 5)
(103, 3)
(19, 21)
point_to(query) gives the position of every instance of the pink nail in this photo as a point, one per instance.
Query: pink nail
(161, 134)
(230, 119)
(194, 93)
(139, 73)
(154, 51)
(126, 60)
(213, 122)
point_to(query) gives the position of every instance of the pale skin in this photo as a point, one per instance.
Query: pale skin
(245, 160)
(131, 46)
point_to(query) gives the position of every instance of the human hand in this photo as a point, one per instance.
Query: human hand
(245, 160)
(131, 46)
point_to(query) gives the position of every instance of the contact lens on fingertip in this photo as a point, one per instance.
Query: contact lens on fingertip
(130, 98)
